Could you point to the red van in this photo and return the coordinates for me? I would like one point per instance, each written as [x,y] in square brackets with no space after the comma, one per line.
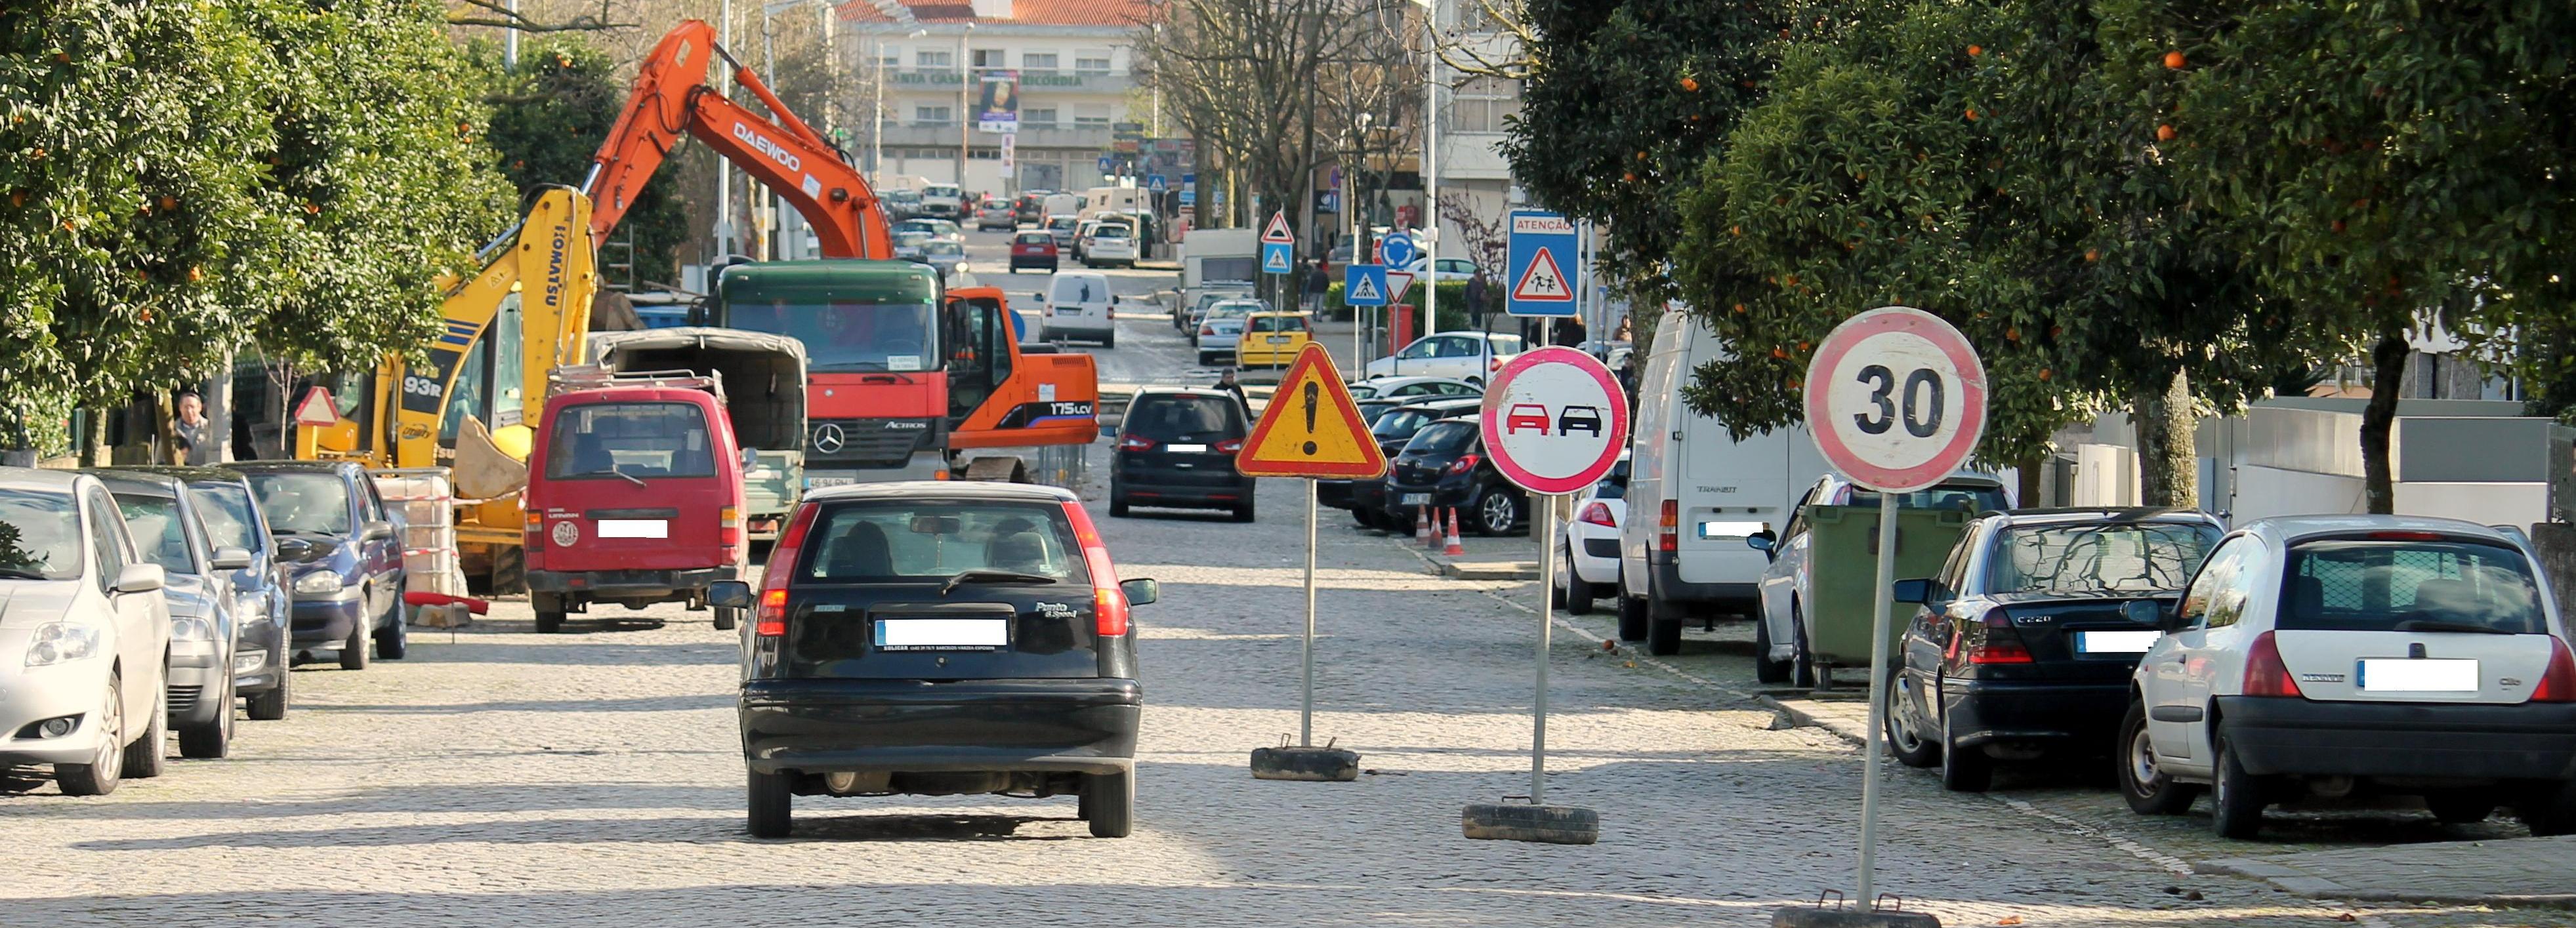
[634,497]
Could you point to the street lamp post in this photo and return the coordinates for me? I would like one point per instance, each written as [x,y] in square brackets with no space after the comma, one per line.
[965,84]
[1430,167]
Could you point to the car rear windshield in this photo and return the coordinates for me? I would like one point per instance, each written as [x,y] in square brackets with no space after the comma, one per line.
[2134,557]
[1074,288]
[604,441]
[1034,238]
[158,533]
[309,503]
[1449,437]
[896,541]
[2402,586]
[1965,497]
[39,536]
[1279,324]
[1174,418]
[225,509]
[1402,423]
[1109,232]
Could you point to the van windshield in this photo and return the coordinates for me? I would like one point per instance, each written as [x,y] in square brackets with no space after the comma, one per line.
[1079,289]
[609,441]
[2402,586]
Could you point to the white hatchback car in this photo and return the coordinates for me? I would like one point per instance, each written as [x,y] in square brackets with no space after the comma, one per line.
[2330,656]
[1587,557]
[84,638]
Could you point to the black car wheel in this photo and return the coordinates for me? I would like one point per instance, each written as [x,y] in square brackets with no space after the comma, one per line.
[1109,803]
[1496,512]
[147,754]
[213,738]
[1802,665]
[2548,810]
[353,652]
[1904,725]
[2146,787]
[395,639]
[1632,616]
[1963,770]
[270,706]
[1243,511]
[2236,798]
[1766,670]
[1578,593]
[106,767]
[772,800]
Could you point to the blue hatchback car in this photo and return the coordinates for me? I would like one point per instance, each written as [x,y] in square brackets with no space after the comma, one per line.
[341,554]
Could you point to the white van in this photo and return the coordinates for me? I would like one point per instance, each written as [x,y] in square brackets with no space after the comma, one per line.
[1695,493]
[1077,306]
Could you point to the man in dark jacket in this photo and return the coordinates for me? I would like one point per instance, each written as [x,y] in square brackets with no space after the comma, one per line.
[1476,301]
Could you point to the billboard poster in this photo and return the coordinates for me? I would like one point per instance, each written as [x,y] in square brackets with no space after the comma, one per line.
[1000,109]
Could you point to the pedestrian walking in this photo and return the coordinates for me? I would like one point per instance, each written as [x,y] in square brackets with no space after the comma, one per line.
[1569,332]
[1227,382]
[1476,300]
[1316,281]
[198,446]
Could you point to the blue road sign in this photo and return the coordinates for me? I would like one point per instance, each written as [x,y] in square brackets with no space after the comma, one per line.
[1189,198]
[1156,183]
[1189,179]
[1276,258]
[1398,249]
[1104,164]
[1364,284]
[1542,248]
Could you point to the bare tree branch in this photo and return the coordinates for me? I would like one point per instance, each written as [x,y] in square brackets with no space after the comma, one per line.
[497,14]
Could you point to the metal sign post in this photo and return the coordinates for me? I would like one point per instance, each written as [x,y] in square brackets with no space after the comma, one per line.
[1306,704]
[1546,631]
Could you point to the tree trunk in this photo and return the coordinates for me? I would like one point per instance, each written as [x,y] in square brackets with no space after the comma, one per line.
[2379,419]
[2026,494]
[2168,458]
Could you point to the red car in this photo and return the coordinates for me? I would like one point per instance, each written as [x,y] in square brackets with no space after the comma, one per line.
[1525,416]
[1033,249]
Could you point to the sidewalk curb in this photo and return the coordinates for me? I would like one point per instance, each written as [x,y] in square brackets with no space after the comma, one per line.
[2294,880]
[1803,718]
[1483,570]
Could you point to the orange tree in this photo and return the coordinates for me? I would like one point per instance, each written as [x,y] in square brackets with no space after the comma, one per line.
[1972,160]
[1622,103]
[2378,163]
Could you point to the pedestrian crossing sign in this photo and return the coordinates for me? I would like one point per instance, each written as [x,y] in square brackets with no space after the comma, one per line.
[1275,258]
[1364,284]
[1311,428]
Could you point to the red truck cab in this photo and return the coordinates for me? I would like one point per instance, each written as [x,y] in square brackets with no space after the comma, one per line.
[635,497]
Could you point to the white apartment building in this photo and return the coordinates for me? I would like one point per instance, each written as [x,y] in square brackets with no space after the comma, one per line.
[1076,78]
[1471,163]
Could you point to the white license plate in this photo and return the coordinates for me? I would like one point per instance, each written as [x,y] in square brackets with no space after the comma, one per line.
[2401,675]
[942,634]
[815,482]
[634,528]
[1278,339]
[2115,642]
[1415,499]
[1187,449]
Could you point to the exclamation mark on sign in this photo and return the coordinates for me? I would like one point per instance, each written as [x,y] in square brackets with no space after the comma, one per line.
[1314,391]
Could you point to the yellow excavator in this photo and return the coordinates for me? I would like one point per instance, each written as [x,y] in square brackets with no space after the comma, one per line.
[474,404]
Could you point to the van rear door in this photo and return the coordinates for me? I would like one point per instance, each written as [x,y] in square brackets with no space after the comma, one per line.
[635,480]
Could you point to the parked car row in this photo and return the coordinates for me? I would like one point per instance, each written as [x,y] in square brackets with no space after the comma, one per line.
[146,600]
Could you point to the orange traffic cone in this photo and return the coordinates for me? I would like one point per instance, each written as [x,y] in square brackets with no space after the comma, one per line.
[1452,546]
[1422,526]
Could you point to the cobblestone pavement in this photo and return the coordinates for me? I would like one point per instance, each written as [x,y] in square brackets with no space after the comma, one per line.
[594,778]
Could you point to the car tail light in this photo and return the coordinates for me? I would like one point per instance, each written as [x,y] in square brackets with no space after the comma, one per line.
[1207,330]
[729,526]
[2558,683]
[1229,446]
[771,622]
[1108,603]
[1598,513]
[1135,443]
[1464,463]
[1668,527]
[2265,674]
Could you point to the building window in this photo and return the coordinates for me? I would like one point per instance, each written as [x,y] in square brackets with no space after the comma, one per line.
[1037,61]
[1040,116]
[889,57]
[1091,114]
[934,58]
[1483,104]
[990,58]
[1473,18]
[1091,61]
[931,115]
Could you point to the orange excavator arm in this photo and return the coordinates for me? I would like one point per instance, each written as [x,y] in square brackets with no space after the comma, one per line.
[672,97]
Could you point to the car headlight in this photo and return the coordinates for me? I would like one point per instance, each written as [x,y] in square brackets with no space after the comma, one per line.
[247,661]
[320,581]
[58,642]
[190,628]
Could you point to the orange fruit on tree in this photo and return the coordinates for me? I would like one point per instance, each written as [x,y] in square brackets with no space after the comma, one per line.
[1974,51]
[2174,60]
[2165,133]
[2092,254]
[1972,114]
[1690,84]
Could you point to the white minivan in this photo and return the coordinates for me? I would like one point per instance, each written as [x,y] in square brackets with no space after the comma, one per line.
[1695,493]
[1077,306]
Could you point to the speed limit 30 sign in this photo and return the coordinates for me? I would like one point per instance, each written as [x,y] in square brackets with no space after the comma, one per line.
[1896,399]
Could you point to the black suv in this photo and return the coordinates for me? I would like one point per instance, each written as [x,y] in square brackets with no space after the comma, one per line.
[1445,467]
[1176,447]
[938,638]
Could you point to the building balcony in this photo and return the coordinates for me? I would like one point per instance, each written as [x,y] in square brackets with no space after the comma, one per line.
[1031,82]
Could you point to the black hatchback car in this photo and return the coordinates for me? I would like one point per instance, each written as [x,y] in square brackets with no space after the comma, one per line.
[2026,640]
[1445,467]
[1366,499]
[1176,448]
[342,554]
[940,638]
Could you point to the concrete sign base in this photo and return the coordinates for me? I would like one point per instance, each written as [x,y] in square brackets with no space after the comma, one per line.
[1323,765]
[1542,824]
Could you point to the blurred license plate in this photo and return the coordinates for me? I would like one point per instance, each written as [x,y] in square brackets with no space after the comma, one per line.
[634,528]
[813,482]
[2114,642]
[1188,449]
[1415,499]
[1278,339]
[942,634]
[2400,675]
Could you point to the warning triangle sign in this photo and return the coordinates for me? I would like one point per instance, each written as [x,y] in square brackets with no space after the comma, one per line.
[1542,282]
[1311,429]
[1276,261]
[316,408]
[1366,290]
[1277,231]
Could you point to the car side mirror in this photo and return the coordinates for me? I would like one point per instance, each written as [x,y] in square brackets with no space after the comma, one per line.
[231,558]
[377,530]
[1141,592]
[1764,541]
[139,578]
[729,594]
[1917,590]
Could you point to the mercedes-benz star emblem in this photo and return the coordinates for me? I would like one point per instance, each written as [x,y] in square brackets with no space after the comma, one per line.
[828,438]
